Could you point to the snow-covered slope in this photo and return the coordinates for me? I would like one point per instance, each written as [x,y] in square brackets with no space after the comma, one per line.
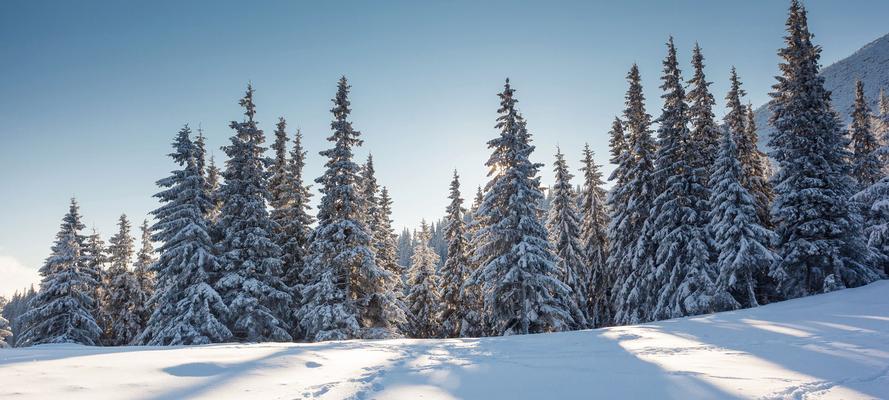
[828,346]
[870,64]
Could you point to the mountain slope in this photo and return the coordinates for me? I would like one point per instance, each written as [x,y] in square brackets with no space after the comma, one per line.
[870,64]
[834,345]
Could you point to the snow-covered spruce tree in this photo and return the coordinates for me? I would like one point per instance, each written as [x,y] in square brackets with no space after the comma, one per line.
[517,273]
[95,263]
[867,167]
[704,132]
[62,310]
[122,296]
[424,299]
[386,248]
[742,242]
[5,330]
[673,253]
[630,203]
[473,323]
[187,309]
[290,199]
[594,241]
[259,303]
[377,212]
[740,123]
[757,169]
[821,246]
[145,276]
[368,192]
[456,267]
[346,295]
[300,227]
[875,199]
[564,228]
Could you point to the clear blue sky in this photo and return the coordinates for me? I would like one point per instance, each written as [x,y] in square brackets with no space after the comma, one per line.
[91,93]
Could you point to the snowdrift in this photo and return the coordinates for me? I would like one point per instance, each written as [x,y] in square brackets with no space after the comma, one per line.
[828,346]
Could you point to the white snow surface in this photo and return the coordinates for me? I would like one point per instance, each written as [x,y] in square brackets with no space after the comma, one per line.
[831,346]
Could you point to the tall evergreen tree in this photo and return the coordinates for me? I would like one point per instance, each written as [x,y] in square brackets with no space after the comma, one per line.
[517,276]
[594,241]
[742,242]
[456,268]
[5,330]
[866,164]
[61,312]
[187,308]
[145,276]
[673,253]
[821,247]
[345,295]
[95,264]
[757,170]
[424,299]
[473,323]
[564,234]
[704,132]
[386,248]
[368,191]
[290,199]
[251,286]
[630,203]
[123,295]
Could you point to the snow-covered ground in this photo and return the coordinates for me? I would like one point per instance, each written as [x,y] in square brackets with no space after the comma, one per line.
[828,346]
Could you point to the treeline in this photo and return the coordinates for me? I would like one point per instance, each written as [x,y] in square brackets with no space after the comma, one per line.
[698,220]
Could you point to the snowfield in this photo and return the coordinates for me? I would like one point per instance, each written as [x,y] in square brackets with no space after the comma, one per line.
[829,346]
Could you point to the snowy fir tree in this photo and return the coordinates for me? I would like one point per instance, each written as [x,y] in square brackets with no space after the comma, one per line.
[757,169]
[5,329]
[122,297]
[378,212]
[423,299]
[368,192]
[346,294]
[742,243]
[867,167]
[704,132]
[739,122]
[517,274]
[630,202]
[564,227]
[673,254]
[594,241]
[95,264]
[385,248]
[145,276]
[259,303]
[290,200]
[187,308]
[62,311]
[18,305]
[875,199]
[821,246]
[473,323]
[456,267]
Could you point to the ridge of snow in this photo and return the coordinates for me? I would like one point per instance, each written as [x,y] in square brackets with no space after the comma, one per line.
[834,345]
